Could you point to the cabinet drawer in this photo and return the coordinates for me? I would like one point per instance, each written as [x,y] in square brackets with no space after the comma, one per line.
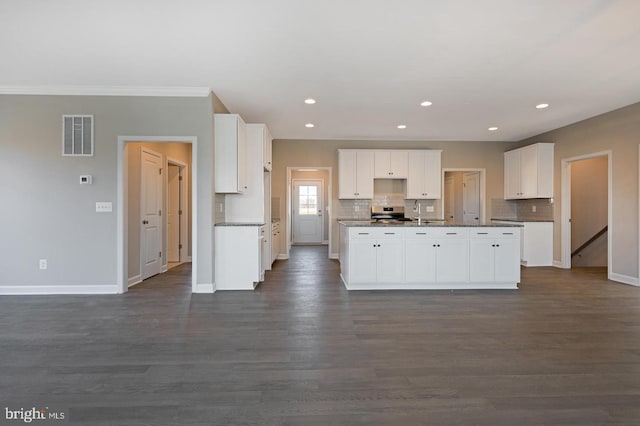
[450,232]
[390,232]
[417,233]
[511,232]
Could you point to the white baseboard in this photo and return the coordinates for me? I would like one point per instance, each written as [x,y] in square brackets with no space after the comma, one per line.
[134,280]
[57,289]
[624,279]
[283,257]
[558,264]
[334,256]
[203,288]
[165,268]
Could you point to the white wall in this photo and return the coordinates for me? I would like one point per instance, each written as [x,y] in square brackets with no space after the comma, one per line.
[52,216]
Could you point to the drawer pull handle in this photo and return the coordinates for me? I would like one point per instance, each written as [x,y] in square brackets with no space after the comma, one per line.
[363,233]
[483,233]
[452,233]
[507,233]
[421,233]
[389,233]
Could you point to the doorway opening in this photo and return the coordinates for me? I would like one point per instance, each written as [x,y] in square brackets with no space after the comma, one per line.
[157,222]
[308,213]
[464,195]
[586,211]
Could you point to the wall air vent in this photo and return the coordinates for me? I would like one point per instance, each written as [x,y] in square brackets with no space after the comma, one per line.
[77,135]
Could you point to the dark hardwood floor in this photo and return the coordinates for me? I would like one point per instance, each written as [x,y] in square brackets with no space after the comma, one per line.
[301,350]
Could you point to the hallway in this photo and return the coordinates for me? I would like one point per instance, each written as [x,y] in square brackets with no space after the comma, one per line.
[565,348]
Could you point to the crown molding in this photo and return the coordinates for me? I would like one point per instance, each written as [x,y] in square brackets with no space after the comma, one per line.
[191,92]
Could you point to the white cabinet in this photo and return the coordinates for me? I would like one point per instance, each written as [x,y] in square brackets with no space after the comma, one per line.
[238,257]
[267,149]
[528,172]
[429,257]
[425,175]
[536,242]
[391,164]
[355,174]
[251,205]
[375,255]
[275,241]
[494,255]
[229,142]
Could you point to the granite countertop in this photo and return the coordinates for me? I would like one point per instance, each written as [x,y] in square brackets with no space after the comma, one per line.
[522,220]
[435,224]
[238,224]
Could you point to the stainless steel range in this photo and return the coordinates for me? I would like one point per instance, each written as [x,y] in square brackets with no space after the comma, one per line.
[388,214]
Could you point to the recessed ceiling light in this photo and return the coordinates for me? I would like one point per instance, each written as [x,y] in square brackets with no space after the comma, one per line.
[309,125]
[542,106]
[310,101]
[493,129]
[402,126]
[426,103]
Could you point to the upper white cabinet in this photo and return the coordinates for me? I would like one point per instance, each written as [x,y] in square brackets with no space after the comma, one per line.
[425,175]
[229,141]
[267,149]
[252,205]
[355,174]
[391,164]
[528,172]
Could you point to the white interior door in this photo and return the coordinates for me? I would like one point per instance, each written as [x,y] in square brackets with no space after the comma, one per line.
[471,198]
[307,211]
[449,199]
[173,213]
[150,212]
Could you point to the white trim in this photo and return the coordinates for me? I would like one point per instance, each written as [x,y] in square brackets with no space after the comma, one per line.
[624,279]
[57,289]
[191,92]
[328,208]
[121,206]
[483,189]
[558,264]
[134,280]
[565,208]
[204,288]
[334,256]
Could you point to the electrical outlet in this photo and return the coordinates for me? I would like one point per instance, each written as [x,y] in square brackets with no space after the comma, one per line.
[430,209]
[43,263]
[533,209]
[220,207]
[104,207]
[356,208]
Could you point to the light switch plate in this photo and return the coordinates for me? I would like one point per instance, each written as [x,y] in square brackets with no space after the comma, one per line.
[104,207]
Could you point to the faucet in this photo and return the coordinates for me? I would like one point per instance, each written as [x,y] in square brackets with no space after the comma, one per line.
[416,203]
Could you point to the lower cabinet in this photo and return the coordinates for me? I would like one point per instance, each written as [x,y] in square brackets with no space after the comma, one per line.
[376,256]
[494,255]
[429,257]
[238,257]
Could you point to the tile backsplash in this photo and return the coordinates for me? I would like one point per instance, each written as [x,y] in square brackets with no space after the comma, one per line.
[361,209]
[522,209]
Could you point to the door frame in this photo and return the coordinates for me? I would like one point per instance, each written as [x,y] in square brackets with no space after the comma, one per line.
[184,206]
[483,188]
[321,181]
[161,221]
[328,207]
[122,224]
[565,209]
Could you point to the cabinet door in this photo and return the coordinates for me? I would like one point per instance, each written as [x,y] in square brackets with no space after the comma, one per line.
[242,154]
[347,174]
[382,160]
[399,164]
[364,174]
[267,149]
[507,260]
[389,261]
[420,261]
[529,172]
[362,260]
[512,175]
[481,260]
[452,260]
[432,175]
[416,175]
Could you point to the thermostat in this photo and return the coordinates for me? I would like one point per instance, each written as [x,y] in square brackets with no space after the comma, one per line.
[85,180]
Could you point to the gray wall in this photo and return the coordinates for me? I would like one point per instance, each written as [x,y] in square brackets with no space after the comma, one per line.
[52,216]
[618,131]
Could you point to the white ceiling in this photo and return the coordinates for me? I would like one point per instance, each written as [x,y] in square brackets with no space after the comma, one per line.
[369,63]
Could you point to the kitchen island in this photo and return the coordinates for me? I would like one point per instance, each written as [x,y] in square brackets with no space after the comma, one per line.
[429,256]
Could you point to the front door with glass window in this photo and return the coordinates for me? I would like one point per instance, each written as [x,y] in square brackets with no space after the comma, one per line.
[307,211]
